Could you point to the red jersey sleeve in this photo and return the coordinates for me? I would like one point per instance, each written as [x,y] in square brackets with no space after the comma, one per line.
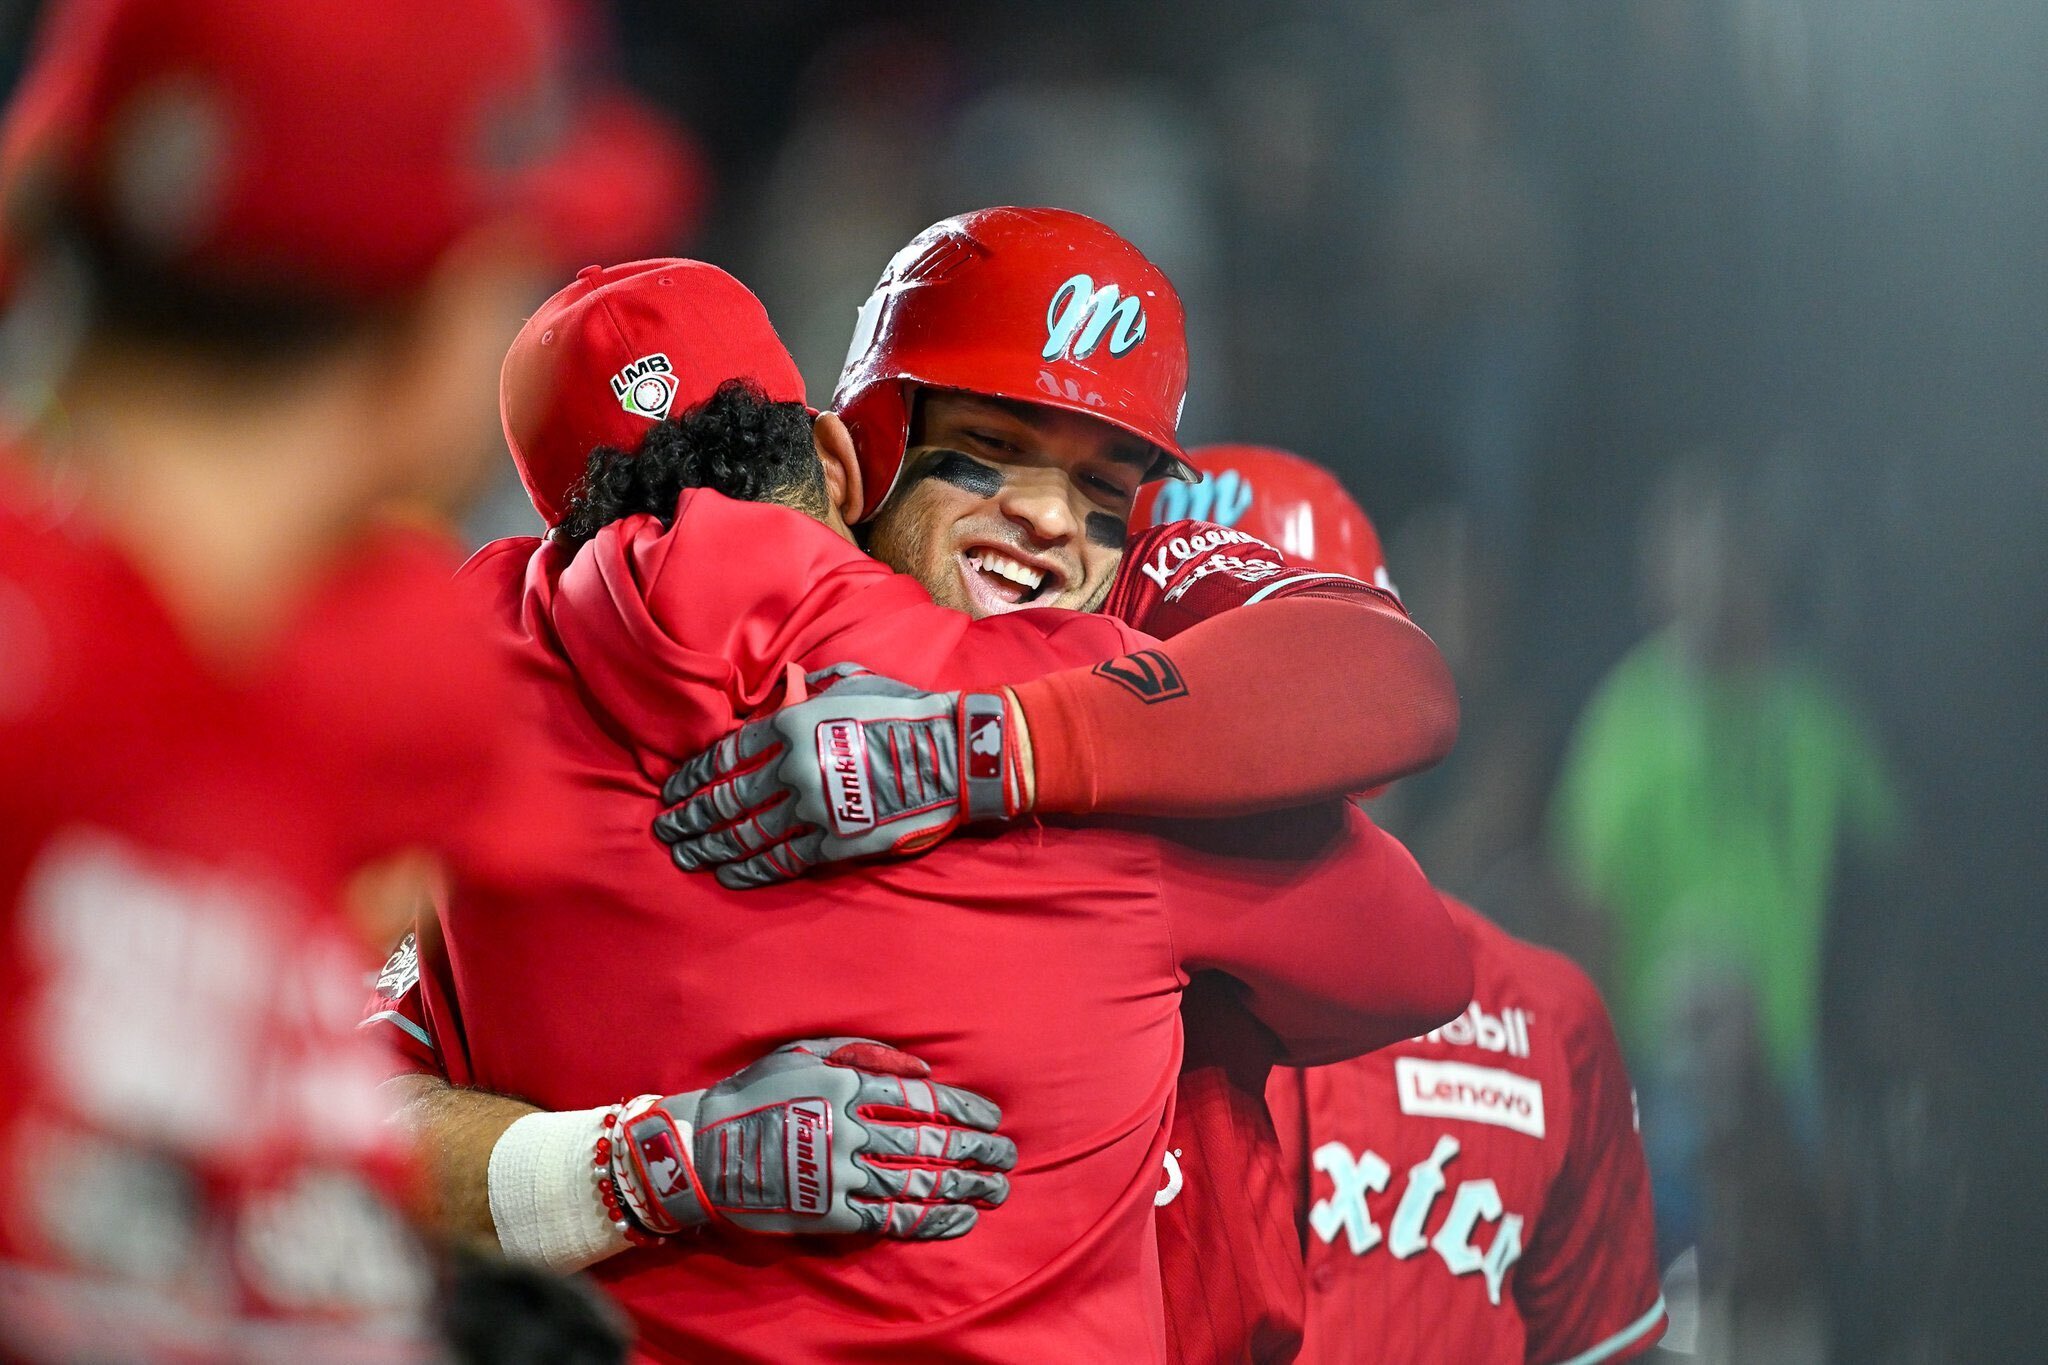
[1333,933]
[1588,1287]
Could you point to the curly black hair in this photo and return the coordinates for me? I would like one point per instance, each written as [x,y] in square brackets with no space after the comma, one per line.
[737,443]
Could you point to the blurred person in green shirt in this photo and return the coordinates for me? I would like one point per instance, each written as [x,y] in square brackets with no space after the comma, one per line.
[1713,788]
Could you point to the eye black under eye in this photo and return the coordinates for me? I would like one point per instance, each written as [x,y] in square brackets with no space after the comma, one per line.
[1106,530]
[965,473]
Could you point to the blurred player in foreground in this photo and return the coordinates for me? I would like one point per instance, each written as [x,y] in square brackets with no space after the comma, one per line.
[273,250]
[1479,1193]
[1080,1037]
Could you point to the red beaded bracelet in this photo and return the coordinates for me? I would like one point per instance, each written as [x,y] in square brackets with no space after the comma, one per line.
[608,1185]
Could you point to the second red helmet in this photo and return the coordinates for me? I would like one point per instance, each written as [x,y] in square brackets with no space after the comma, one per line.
[1037,305]
[1283,499]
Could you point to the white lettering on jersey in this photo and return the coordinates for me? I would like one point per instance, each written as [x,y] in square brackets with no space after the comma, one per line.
[1170,1191]
[1170,558]
[1351,1178]
[1476,1094]
[1425,1183]
[1475,1202]
[1506,1032]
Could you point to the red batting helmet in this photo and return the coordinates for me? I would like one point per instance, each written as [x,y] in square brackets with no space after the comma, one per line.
[1037,305]
[1279,497]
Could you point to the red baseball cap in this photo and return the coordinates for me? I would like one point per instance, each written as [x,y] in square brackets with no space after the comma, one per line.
[621,348]
[628,182]
[335,146]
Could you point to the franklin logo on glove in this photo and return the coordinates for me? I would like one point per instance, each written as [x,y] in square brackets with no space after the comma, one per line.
[844,756]
[810,1183]
[868,767]
[830,1135]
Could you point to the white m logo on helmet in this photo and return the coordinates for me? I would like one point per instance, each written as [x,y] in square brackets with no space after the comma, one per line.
[1080,314]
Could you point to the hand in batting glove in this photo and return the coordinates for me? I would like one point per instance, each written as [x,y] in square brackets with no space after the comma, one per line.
[1181,574]
[866,768]
[832,1135]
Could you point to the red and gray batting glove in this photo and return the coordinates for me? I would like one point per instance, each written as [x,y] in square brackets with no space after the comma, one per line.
[1184,572]
[868,768]
[831,1135]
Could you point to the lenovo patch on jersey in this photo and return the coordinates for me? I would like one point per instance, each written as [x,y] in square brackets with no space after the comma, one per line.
[1477,1094]
[809,1138]
[843,754]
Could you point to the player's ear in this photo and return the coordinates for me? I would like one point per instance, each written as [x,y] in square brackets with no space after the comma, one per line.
[842,468]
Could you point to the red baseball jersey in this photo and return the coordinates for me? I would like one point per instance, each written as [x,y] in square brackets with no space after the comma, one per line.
[1041,964]
[1478,1195]
[1229,1255]
[193,1162]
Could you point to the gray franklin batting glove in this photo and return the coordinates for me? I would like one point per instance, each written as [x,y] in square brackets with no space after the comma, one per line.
[831,1135]
[869,767]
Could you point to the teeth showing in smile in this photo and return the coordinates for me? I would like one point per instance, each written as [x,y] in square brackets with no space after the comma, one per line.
[1002,566]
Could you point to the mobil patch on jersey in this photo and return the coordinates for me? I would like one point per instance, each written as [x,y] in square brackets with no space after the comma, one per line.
[1477,1094]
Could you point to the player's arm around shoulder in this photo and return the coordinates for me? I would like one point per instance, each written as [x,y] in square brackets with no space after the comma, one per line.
[1347,650]
[564,1190]
[1338,939]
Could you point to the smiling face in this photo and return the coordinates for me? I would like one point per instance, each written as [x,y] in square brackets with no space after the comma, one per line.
[1007,505]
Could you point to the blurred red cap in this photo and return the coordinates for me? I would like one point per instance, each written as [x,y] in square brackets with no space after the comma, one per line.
[621,348]
[1283,499]
[337,146]
[628,183]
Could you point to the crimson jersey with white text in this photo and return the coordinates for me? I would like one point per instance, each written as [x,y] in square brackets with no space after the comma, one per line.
[1041,964]
[193,1162]
[1478,1195]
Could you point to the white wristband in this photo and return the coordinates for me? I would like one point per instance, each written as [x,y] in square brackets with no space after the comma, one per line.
[544,1197]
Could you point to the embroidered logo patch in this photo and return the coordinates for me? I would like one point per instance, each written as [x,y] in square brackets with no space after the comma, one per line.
[810,1147]
[843,754]
[646,387]
[985,746]
[1148,675]
[1477,1094]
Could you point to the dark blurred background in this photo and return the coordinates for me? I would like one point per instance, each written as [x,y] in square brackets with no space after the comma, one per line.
[1691,354]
